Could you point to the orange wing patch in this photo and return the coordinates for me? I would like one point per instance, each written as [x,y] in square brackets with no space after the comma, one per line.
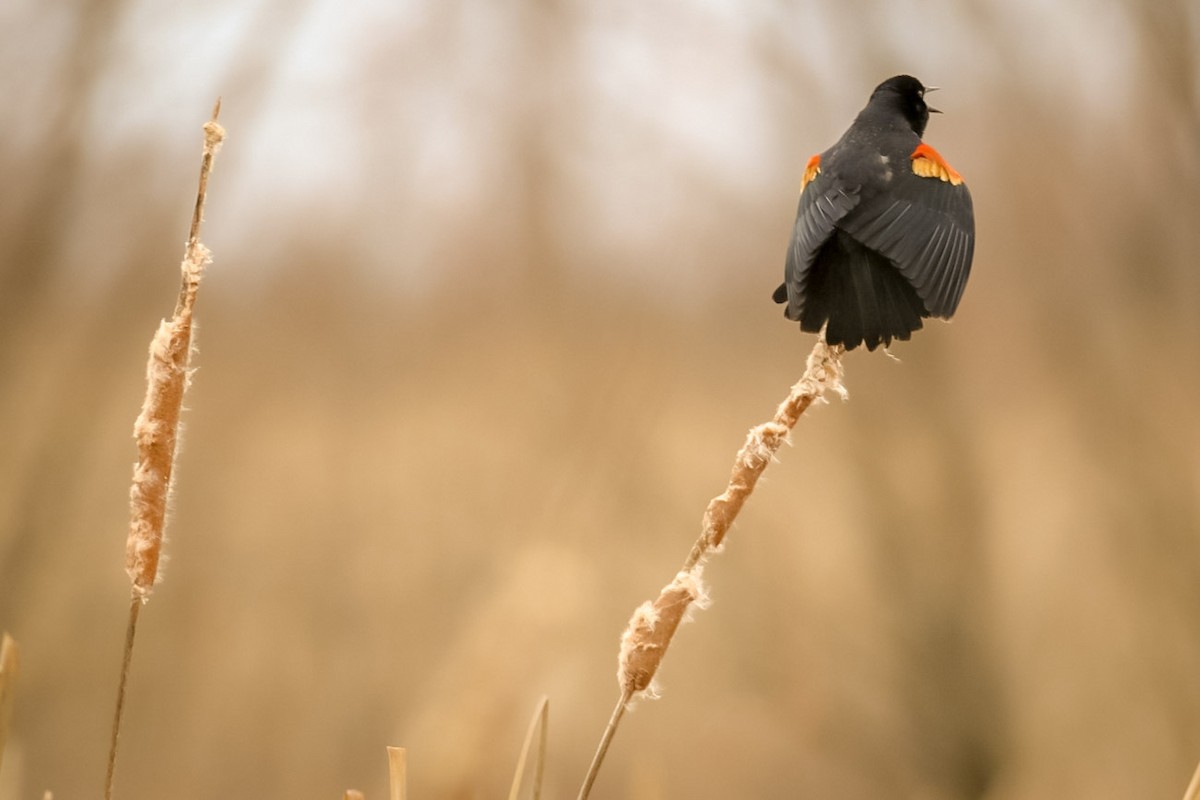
[928,163]
[812,170]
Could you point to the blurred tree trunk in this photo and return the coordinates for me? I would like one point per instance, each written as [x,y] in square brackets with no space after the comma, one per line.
[38,227]
[543,107]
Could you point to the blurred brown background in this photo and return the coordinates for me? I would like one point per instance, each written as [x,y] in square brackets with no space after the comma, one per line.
[488,319]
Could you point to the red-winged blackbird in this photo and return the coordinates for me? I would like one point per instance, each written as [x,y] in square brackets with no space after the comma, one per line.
[885,231]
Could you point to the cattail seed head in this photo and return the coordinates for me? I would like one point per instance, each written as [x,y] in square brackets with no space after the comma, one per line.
[157,427]
[646,638]
[156,432]
[214,134]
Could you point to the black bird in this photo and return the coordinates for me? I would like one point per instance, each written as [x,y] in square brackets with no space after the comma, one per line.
[885,231]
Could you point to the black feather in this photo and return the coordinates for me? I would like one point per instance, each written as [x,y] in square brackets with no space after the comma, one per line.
[861,295]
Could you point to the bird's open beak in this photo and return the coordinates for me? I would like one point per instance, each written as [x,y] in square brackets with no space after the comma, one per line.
[929,89]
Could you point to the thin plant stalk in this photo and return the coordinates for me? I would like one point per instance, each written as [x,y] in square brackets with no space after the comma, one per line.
[538,726]
[135,606]
[653,625]
[156,432]
[1193,790]
[610,730]
[10,662]
[398,772]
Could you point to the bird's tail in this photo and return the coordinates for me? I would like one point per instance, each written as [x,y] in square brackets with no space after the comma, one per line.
[861,295]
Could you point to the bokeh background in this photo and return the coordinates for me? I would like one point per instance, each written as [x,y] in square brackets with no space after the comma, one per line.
[489,316]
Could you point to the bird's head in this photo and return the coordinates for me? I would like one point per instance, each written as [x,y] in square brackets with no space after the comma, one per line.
[905,95]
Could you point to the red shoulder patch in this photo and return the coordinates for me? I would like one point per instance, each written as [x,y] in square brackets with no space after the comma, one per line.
[811,171]
[928,163]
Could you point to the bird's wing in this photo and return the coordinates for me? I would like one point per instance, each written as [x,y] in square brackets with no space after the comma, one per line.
[925,225]
[825,200]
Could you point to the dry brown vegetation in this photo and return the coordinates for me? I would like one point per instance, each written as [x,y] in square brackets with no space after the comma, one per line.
[450,427]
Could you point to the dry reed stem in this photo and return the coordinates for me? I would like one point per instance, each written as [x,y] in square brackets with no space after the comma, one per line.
[10,665]
[649,632]
[398,772]
[606,738]
[538,726]
[156,431]
[135,607]
[1193,790]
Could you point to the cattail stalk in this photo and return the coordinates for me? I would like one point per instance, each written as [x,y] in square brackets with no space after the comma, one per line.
[156,431]
[650,630]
